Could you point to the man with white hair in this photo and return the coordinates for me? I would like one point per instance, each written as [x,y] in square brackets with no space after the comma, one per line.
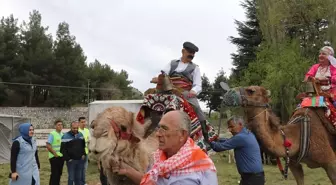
[178,160]
[246,150]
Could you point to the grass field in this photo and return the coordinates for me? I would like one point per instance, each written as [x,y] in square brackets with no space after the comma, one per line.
[227,173]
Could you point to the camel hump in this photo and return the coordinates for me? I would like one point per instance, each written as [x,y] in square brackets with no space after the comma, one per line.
[319,113]
[322,106]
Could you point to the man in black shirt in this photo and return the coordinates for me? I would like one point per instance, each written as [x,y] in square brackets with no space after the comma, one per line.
[73,150]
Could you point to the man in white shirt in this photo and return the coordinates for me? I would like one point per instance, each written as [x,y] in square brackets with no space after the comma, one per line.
[190,80]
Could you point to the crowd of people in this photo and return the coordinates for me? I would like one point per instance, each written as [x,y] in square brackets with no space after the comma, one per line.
[178,160]
[70,148]
[177,156]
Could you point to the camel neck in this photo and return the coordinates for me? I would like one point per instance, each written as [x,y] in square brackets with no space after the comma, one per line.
[268,135]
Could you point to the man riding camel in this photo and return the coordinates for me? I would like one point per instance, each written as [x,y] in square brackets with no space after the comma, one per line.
[190,80]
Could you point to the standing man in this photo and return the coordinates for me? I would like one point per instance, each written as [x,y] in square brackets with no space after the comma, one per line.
[189,79]
[246,150]
[73,150]
[86,134]
[55,155]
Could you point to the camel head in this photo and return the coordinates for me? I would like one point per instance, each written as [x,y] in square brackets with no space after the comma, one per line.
[113,133]
[251,96]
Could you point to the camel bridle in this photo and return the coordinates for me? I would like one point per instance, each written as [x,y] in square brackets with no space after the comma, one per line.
[248,103]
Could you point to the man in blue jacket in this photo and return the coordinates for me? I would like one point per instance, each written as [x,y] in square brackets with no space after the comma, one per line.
[73,150]
[246,150]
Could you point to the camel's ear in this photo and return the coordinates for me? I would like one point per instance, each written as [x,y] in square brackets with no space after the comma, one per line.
[137,129]
[93,124]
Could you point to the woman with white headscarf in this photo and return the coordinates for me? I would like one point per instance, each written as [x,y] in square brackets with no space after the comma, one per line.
[325,71]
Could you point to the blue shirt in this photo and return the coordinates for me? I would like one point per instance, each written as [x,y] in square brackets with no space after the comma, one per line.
[246,150]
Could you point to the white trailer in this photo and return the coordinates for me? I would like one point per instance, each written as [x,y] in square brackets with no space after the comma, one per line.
[97,107]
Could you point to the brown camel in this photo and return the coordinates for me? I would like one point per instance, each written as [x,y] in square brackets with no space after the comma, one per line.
[267,128]
[116,136]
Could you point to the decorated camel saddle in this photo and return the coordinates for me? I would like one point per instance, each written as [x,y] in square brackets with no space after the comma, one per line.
[321,101]
[167,97]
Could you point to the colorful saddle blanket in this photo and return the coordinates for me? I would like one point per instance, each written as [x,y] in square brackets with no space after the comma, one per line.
[316,101]
[320,101]
[162,102]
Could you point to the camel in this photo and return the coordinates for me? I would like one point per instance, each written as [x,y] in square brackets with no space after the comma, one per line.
[275,137]
[117,137]
[135,149]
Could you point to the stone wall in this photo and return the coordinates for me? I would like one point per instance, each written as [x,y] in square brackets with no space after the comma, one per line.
[44,117]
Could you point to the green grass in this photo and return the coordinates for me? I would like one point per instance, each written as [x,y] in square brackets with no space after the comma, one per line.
[227,173]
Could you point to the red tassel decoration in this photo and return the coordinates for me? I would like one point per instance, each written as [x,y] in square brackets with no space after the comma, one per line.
[287,143]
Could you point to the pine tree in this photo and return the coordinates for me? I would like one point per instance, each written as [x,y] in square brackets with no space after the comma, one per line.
[37,53]
[206,93]
[249,39]
[10,62]
[69,69]
[215,100]
[29,55]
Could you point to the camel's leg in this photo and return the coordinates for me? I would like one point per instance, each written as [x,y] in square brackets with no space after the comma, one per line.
[331,171]
[297,172]
[268,159]
[263,158]
[229,156]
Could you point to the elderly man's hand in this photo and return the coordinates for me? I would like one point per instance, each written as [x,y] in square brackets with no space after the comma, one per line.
[124,169]
[115,165]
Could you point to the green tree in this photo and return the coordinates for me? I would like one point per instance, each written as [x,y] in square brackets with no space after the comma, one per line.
[293,32]
[284,63]
[114,85]
[249,39]
[29,55]
[136,94]
[4,69]
[205,95]
[310,22]
[10,61]
[122,82]
[217,90]
[36,45]
[99,74]
[69,69]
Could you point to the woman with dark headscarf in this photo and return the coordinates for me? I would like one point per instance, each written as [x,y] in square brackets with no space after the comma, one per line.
[24,160]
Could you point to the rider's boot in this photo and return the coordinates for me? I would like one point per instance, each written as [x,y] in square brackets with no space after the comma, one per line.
[205,135]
